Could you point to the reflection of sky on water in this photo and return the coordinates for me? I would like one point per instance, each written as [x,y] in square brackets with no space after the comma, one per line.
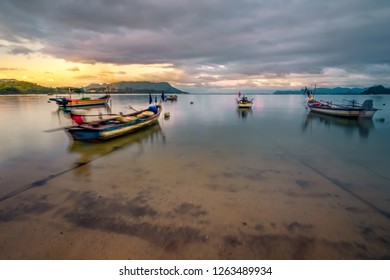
[275,123]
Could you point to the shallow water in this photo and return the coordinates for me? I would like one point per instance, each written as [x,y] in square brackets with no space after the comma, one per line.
[210,182]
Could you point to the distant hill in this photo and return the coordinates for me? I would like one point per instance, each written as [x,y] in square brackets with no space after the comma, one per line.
[130,87]
[377,90]
[12,86]
[337,90]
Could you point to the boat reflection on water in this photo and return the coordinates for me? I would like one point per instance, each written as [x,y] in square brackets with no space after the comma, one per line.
[362,125]
[90,151]
[244,112]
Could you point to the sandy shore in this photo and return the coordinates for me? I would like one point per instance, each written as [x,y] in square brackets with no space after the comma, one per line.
[191,206]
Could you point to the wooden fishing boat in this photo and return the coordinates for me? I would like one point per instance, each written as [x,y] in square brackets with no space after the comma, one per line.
[69,102]
[172,97]
[244,102]
[351,110]
[113,127]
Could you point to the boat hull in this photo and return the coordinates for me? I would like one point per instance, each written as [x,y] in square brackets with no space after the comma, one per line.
[86,104]
[342,112]
[244,105]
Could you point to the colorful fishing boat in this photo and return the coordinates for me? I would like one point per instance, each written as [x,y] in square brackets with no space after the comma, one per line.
[69,102]
[243,101]
[351,110]
[114,126]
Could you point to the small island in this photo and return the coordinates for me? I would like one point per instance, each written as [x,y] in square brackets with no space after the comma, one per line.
[377,90]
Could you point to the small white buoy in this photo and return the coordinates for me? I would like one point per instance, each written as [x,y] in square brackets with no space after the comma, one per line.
[167,115]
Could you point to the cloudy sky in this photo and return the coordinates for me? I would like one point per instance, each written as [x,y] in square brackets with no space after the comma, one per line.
[198,45]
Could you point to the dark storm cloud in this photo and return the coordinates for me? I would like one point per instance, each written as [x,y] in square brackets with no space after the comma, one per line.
[248,38]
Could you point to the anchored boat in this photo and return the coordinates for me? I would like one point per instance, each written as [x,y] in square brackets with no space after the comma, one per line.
[112,127]
[243,101]
[68,102]
[351,110]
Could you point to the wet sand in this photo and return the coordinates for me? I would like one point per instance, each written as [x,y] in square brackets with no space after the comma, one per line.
[146,202]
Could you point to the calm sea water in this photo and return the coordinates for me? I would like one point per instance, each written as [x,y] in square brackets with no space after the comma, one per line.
[210,182]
